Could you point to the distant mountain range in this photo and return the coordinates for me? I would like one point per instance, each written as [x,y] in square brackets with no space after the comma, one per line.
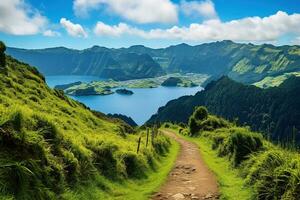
[246,63]
[274,111]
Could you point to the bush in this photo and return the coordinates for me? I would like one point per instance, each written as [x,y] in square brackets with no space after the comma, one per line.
[275,174]
[200,113]
[193,126]
[135,166]
[240,144]
[104,159]
[213,123]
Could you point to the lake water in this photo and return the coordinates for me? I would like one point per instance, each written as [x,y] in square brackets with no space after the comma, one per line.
[140,106]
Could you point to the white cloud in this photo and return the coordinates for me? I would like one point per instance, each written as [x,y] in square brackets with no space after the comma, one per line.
[140,11]
[18,18]
[117,30]
[246,29]
[50,33]
[205,9]
[74,30]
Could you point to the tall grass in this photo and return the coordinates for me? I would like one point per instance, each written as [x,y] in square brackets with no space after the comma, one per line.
[50,144]
[272,171]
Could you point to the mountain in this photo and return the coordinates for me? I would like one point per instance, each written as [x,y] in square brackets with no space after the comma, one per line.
[96,61]
[247,63]
[53,147]
[275,111]
[124,118]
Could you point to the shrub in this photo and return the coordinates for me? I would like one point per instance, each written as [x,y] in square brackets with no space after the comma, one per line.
[240,144]
[212,123]
[193,126]
[161,145]
[200,113]
[275,174]
[104,159]
[135,165]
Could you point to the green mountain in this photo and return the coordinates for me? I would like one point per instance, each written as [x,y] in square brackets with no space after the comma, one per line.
[245,63]
[96,61]
[275,111]
[52,147]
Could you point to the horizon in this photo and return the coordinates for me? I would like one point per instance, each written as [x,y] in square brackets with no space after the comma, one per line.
[77,24]
[126,47]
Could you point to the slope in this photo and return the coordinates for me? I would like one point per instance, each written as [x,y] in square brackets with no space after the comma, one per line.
[275,111]
[52,147]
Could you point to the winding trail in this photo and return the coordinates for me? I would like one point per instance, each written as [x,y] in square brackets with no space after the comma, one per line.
[190,178]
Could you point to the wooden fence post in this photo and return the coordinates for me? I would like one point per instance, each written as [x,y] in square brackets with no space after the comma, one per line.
[147,137]
[139,143]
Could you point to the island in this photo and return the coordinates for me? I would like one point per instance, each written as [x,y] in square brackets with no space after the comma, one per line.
[172,82]
[105,87]
[124,92]
[90,91]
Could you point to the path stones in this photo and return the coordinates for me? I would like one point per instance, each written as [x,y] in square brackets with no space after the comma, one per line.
[178,196]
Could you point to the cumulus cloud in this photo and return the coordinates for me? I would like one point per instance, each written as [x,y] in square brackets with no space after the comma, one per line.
[268,28]
[140,11]
[117,30]
[205,9]
[50,33]
[74,30]
[18,18]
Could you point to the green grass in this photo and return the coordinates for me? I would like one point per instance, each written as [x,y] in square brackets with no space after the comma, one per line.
[275,81]
[52,147]
[130,189]
[231,184]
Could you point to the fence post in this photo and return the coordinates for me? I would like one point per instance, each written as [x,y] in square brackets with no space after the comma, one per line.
[152,136]
[147,137]
[139,143]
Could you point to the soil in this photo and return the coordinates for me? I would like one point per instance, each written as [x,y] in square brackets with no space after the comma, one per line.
[190,178]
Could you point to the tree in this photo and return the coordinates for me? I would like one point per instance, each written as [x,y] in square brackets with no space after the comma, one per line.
[200,113]
[2,55]
[193,126]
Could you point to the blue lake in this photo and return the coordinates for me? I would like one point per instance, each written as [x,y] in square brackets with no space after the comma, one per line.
[140,106]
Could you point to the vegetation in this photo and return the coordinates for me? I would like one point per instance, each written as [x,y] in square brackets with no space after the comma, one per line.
[105,87]
[172,82]
[246,63]
[53,147]
[247,165]
[124,91]
[2,55]
[273,111]
[274,81]
[125,118]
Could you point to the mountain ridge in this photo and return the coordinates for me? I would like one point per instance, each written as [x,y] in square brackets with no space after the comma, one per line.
[247,63]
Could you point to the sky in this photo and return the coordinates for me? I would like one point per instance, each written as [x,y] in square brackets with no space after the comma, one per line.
[80,24]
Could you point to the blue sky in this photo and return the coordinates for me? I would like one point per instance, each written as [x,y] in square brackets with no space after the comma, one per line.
[155,23]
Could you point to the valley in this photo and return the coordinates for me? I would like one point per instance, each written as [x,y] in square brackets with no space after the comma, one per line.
[149,100]
[65,143]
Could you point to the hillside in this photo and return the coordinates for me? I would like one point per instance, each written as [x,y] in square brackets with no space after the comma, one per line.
[96,61]
[274,111]
[247,165]
[53,147]
[245,63]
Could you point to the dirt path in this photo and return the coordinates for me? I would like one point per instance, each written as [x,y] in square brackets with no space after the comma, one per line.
[190,177]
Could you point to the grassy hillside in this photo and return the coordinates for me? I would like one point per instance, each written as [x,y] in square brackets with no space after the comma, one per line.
[247,63]
[274,111]
[274,81]
[52,147]
[247,166]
